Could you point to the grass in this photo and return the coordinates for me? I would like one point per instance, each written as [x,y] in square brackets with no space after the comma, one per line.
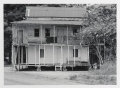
[108,68]
[105,76]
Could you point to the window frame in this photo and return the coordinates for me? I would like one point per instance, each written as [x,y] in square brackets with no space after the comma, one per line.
[42,53]
[46,32]
[38,32]
[76,52]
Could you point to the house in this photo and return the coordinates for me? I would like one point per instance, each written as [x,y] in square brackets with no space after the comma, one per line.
[50,36]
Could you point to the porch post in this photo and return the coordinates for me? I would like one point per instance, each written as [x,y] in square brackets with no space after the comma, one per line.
[54,33]
[88,56]
[19,59]
[61,55]
[39,54]
[22,54]
[67,35]
[26,54]
[13,59]
[80,35]
[44,54]
[41,33]
[68,54]
[53,54]
[80,52]
[35,54]
[74,55]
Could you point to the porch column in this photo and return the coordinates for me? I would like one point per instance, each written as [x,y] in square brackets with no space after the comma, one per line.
[80,35]
[67,35]
[88,56]
[13,56]
[19,56]
[39,54]
[54,33]
[26,56]
[74,55]
[68,54]
[80,52]
[35,54]
[22,54]
[41,33]
[44,54]
[53,54]
[61,55]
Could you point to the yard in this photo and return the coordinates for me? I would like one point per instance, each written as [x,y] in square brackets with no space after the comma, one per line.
[55,78]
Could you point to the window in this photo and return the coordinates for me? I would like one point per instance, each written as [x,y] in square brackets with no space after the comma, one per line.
[76,52]
[36,32]
[75,31]
[47,32]
[41,53]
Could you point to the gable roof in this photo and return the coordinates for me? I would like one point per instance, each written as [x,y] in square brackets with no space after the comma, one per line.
[71,12]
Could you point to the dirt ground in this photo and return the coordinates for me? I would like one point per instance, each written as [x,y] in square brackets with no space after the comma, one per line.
[39,77]
[12,77]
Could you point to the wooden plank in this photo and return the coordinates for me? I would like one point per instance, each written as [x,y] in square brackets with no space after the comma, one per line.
[54,33]
[88,56]
[44,54]
[80,35]
[67,35]
[22,54]
[19,56]
[74,55]
[68,54]
[35,55]
[26,55]
[53,54]
[39,54]
[61,55]
[80,52]
[13,56]
[41,33]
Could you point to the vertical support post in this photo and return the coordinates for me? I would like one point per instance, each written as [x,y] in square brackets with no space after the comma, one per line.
[19,58]
[12,56]
[61,55]
[54,33]
[67,35]
[53,54]
[62,35]
[41,33]
[35,54]
[88,56]
[26,56]
[80,52]
[80,35]
[68,54]
[39,54]
[22,54]
[44,54]
[74,55]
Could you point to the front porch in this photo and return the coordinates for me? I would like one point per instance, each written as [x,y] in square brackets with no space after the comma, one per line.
[51,55]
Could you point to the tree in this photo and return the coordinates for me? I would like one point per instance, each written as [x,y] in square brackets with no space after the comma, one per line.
[101,25]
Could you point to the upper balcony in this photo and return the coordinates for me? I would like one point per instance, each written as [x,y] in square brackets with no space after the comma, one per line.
[48,34]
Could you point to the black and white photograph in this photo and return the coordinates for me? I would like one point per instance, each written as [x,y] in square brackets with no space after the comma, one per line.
[60,44]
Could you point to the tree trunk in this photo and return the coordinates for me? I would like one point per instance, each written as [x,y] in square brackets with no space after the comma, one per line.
[99,55]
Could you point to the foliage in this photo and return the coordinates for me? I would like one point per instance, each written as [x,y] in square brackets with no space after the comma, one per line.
[101,29]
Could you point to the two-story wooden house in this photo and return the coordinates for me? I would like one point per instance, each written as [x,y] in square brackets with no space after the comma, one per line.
[49,37]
